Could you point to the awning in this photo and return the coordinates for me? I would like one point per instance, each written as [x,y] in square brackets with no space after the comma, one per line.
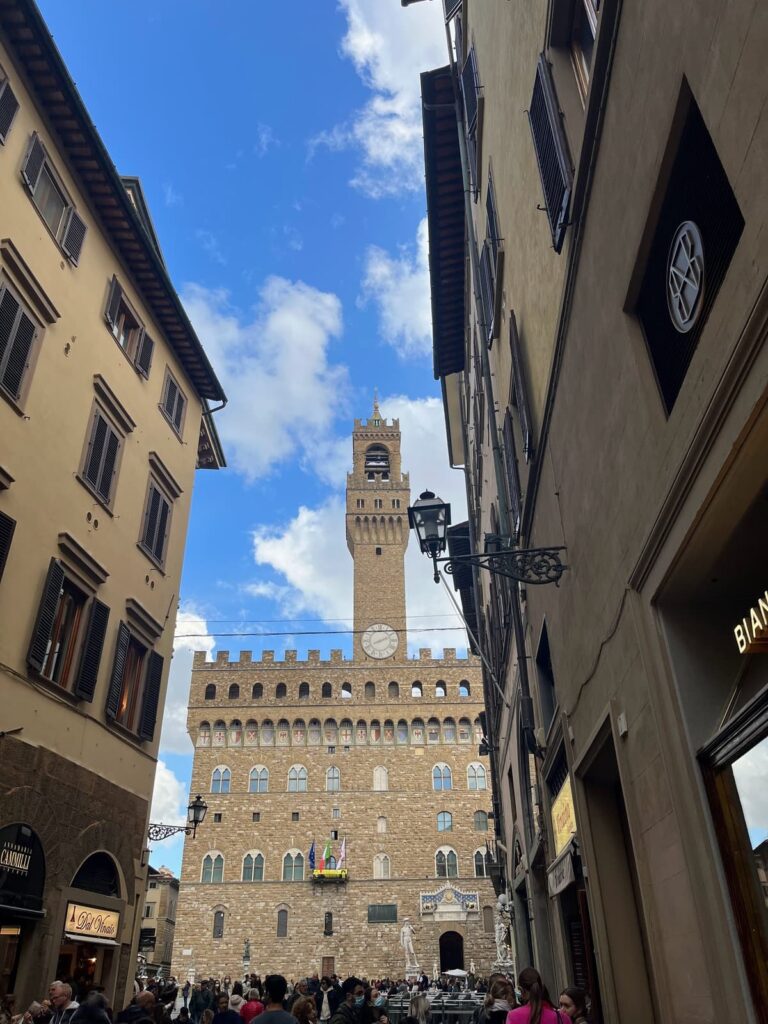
[8,908]
[89,940]
[561,872]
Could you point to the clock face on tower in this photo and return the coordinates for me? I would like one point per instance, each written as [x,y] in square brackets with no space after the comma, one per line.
[380,641]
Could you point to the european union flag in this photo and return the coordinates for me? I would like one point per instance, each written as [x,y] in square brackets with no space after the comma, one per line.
[311,857]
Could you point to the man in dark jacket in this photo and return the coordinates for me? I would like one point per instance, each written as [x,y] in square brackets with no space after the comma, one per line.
[142,1006]
[349,1010]
[327,999]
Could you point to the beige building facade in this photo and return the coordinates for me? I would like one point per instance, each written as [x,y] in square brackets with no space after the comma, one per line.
[104,417]
[376,756]
[158,923]
[604,375]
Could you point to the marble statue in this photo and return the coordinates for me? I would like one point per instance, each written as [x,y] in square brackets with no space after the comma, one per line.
[503,921]
[406,941]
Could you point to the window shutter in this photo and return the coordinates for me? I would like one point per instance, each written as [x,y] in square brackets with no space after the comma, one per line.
[72,243]
[469,90]
[17,358]
[93,645]
[144,352]
[46,613]
[510,464]
[110,465]
[8,107]
[118,669]
[9,308]
[451,8]
[486,286]
[151,696]
[30,172]
[150,518]
[520,384]
[7,526]
[551,151]
[113,303]
[171,391]
[96,447]
[162,529]
[179,410]
[492,220]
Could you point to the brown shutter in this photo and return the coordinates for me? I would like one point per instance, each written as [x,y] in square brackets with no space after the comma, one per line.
[520,385]
[150,518]
[9,308]
[7,526]
[118,669]
[113,303]
[8,107]
[551,151]
[96,446]
[513,476]
[30,172]
[451,8]
[178,414]
[144,352]
[469,90]
[151,699]
[486,286]
[162,529]
[17,358]
[72,243]
[108,470]
[46,613]
[93,646]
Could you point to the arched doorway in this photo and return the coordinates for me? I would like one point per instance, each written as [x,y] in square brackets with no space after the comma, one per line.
[451,951]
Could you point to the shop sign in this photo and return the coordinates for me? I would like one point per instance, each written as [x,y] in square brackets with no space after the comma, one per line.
[92,922]
[561,873]
[22,869]
[563,817]
[753,628]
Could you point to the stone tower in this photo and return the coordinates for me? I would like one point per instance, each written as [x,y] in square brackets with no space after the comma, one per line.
[378,493]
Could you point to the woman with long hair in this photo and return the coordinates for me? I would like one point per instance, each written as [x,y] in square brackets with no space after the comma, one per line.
[419,1008]
[537,1006]
[573,1003]
[305,1010]
[499,1001]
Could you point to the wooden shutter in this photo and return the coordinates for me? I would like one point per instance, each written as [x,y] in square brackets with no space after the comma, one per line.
[93,645]
[8,107]
[46,614]
[178,413]
[112,311]
[17,353]
[30,172]
[144,351]
[151,699]
[469,90]
[96,444]
[9,309]
[109,468]
[72,242]
[150,518]
[7,526]
[171,391]
[520,385]
[163,523]
[551,151]
[487,289]
[118,670]
[451,8]
[513,477]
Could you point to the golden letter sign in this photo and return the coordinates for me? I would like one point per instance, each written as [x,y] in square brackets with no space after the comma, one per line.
[92,922]
[563,816]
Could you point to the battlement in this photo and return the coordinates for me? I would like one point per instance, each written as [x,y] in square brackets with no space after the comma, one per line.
[291,658]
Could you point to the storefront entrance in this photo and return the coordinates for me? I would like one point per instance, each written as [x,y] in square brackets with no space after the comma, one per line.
[92,920]
[451,951]
[22,879]
[87,963]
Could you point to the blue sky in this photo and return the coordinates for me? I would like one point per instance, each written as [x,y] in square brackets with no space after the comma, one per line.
[279,147]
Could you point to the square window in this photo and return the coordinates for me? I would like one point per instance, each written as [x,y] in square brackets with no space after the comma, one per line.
[294,815]
[336,812]
[217,818]
[331,750]
[256,816]
[334,834]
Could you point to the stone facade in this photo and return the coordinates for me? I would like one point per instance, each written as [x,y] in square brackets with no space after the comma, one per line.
[386,725]
[158,922]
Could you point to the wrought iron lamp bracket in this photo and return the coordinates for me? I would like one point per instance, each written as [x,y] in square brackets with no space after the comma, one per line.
[156,833]
[532,566]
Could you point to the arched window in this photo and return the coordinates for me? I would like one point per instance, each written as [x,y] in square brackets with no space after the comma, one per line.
[298,732]
[445,821]
[326,691]
[235,732]
[218,924]
[345,732]
[417,690]
[346,691]
[234,692]
[433,730]
[280,691]
[330,731]
[465,730]
[481,821]
[210,691]
[204,735]
[219,733]
[440,688]
[293,866]
[381,824]
[393,690]
[221,779]
[380,779]
[376,459]
[389,731]
[464,690]
[332,780]
[283,733]
[297,779]
[478,725]
[449,730]
[257,692]
[441,777]
[381,866]
[253,867]
[361,733]
[482,863]
[370,691]
[267,733]
[251,733]
[258,779]
[314,732]
[475,776]
[402,731]
[446,863]
[417,730]
[375,733]
[213,867]
[488,920]
[331,864]
[282,923]
[303,691]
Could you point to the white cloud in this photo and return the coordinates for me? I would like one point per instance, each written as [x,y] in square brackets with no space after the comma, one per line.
[265,140]
[210,244]
[389,48]
[174,738]
[169,807]
[399,286]
[171,196]
[310,552]
[284,393]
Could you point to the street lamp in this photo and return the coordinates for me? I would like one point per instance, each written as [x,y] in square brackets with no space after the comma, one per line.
[195,816]
[430,517]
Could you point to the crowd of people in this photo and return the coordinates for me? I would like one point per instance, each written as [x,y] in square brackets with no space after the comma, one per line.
[310,1000]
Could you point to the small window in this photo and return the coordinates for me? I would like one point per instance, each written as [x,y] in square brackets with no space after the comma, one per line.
[376,460]
[445,821]
[174,403]
[361,503]
[346,691]
[297,779]
[382,913]
[51,199]
[449,731]
[446,863]
[256,817]
[303,691]
[253,867]
[441,777]
[127,330]
[332,780]
[210,691]
[134,690]
[204,735]
[157,523]
[295,815]
[393,690]
[280,691]
[464,688]
[257,692]
[213,868]
[326,692]
[218,924]
[220,780]
[7,529]
[488,925]
[417,690]
[481,821]
[381,866]
[440,688]
[546,679]
[336,812]
[282,924]
[18,333]
[8,106]
[381,824]
[217,818]
[102,457]
[334,834]
[258,780]
[235,733]
[234,692]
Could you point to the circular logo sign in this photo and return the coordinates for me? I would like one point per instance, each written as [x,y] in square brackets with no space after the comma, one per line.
[685,276]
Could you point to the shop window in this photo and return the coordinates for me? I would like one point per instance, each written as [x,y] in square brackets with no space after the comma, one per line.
[297,779]
[441,777]
[381,866]
[253,867]
[134,690]
[446,863]
[218,924]
[282,923]
[52,200]
[444,821]
[257,692]
[210,691]
[127,330]
[293,866]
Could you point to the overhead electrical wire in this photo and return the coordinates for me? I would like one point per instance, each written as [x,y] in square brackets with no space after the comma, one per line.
[310,632]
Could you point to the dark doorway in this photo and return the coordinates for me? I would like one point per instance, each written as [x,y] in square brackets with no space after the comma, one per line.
[451,951]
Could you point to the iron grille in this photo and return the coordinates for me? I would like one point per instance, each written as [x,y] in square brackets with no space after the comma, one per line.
[551,151]
[451,8]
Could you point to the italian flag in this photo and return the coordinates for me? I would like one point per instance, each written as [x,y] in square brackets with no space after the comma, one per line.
[325,856]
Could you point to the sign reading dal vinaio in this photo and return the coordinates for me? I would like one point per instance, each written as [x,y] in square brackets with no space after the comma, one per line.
[563,816]
[92,922]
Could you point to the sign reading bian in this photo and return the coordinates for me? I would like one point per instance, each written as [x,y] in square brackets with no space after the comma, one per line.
[92,922]
[753,628]
[563,816]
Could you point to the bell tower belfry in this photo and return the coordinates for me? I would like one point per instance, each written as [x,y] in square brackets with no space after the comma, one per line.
[378,493]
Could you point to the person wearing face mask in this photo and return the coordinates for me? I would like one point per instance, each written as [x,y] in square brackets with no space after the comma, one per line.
[350,1008]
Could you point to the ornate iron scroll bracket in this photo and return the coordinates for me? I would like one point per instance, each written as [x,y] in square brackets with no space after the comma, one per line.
[156,833]
[532,566]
